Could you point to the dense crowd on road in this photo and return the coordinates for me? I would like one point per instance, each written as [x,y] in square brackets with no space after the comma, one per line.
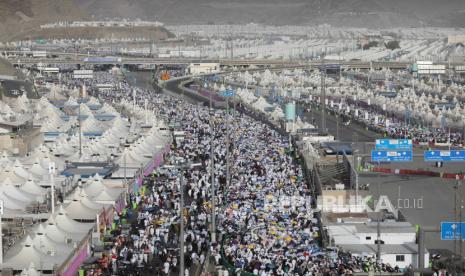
[266,224]
[396,127]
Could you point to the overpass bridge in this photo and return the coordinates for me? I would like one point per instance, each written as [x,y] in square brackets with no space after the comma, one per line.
[241,63]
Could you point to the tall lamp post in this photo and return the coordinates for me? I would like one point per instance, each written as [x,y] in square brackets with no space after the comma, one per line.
[212,168]
[51,171]
[183,166]
[227,93]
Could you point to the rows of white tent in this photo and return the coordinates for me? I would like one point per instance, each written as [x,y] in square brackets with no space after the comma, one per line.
[431,101]
[252,29]
[26,181]
[294,42]
[48,244]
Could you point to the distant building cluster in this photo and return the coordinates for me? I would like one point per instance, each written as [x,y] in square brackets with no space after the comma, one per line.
[112,23]
[456,39]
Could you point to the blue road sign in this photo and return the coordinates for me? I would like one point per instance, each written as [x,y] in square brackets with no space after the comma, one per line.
[227,93]
[394,144]
[452,230]
[444,155]
[391,156]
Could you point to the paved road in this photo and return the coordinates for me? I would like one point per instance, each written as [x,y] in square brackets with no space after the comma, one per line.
[346,133]
[422,200]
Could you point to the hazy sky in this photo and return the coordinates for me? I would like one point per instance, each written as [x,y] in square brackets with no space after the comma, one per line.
[336,12]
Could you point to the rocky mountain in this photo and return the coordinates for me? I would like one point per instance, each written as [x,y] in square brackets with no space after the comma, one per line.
[357,13]
[18,17]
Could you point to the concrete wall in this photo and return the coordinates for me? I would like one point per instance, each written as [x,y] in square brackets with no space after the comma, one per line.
[454,39]
[409,259]
[203,68]
[388,238]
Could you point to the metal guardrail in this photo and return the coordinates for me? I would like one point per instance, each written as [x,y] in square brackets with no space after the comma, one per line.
[222,62]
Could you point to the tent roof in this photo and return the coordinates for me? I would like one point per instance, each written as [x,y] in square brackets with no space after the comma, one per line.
[77,210]
[70,225]
[25,254]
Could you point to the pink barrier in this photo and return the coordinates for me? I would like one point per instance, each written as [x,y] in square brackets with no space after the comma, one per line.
[155,163]
[383,170]
[157,160]
[420,172]
[120,204]
[73,267]
[453,176]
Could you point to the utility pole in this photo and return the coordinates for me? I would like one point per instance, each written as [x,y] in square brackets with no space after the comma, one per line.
[459,188]
[80,132]
[181,237]
[182,167]
[1,235]
[455,219]
[323,96]
[212,152]
[227,142]
[378,223]
[51,171]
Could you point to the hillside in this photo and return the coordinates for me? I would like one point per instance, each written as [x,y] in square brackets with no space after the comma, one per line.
[356,13]
[21,18]
[6,68]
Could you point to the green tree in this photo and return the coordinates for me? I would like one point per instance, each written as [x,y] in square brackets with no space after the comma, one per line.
[392,45]
[370,44]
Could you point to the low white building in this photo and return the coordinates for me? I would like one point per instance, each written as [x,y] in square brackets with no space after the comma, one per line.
[402,255]
[366,233]
[398,241]
[203,68]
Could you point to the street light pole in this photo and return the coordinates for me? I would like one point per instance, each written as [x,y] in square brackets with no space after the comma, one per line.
[182,167]
[213,196]
[51,170]
[227,142]
[323,97]
[1,235]
[181,238]
[459,188]
[80,132]
[378,223]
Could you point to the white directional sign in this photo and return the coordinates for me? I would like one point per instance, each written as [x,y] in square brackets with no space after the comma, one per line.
[51,168]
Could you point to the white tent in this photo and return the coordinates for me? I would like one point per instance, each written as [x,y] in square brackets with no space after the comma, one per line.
[31,271]
[11,204]
[4,160]
[37,170]
[94,186]
[59,235]
[26,253]
[108,195]
[50,247]
[19,170]
[7,188]
[31,187]
[79,211]
[8,173]
[70,225]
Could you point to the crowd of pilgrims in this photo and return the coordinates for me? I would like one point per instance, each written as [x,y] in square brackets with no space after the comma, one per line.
[265,221]
[398,127]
